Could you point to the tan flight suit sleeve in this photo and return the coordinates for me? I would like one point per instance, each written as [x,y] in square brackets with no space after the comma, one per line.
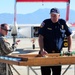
[5,47]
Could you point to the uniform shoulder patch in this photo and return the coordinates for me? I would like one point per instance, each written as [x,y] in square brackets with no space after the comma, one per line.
[42,25]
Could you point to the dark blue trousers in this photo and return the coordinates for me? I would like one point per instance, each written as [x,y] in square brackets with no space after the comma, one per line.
[46,70]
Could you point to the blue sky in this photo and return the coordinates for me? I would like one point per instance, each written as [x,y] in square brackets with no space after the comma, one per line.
[7,6]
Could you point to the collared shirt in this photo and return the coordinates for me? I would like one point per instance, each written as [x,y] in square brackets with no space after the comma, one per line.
[54,34]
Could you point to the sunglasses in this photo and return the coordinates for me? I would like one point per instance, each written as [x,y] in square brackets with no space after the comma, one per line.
[5,29]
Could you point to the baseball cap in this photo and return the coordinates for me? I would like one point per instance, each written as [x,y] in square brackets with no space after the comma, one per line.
[54,11]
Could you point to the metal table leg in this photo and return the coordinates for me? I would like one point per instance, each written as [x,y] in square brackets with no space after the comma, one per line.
[28,68]
[7,69]
[33,70]
[66,69]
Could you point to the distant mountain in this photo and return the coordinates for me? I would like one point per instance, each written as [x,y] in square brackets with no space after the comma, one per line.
[35,17]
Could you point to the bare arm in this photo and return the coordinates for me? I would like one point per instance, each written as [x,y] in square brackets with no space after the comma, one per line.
[69,43]
[41,45]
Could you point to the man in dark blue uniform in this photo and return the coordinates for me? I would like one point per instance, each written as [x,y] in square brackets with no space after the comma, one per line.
[51,36]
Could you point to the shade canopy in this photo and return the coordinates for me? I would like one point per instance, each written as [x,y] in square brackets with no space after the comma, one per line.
[68,4]
[42,0]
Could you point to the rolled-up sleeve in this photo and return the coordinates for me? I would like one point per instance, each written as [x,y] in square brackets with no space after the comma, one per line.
[68,30]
